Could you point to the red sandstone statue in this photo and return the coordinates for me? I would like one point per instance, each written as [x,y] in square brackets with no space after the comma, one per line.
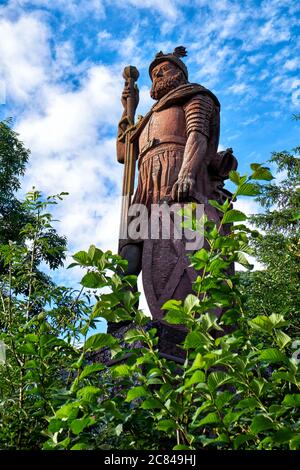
[175,146]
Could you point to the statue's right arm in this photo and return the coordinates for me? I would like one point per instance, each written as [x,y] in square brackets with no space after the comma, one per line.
[122,126]
[124,121]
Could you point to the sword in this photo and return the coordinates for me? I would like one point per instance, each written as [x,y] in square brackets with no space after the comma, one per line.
[130,75]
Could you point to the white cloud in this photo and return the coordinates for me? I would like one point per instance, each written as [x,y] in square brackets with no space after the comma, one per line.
[2,92]
[68,120]
[250,120]
[75,8]
[239,88]
[247,205]
[104,35]
[292,64]
[296,98]
[24,57]
[166,7]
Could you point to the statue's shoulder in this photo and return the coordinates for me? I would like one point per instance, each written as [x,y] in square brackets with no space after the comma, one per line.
[183,94]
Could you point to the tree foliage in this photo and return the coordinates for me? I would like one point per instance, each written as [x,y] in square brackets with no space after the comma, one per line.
[64,385]
[275,289]
[16,216]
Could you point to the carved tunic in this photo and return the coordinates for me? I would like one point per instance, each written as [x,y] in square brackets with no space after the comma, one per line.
[162,144]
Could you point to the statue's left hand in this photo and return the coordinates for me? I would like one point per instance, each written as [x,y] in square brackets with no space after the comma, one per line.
[183,188]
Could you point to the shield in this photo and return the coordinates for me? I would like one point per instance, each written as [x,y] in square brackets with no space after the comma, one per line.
[166,271]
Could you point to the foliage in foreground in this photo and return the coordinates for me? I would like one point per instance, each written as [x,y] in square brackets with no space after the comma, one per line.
[236,391]
[40,322]
[238,387]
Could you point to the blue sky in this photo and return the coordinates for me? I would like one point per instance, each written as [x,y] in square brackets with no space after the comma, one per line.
[61,64]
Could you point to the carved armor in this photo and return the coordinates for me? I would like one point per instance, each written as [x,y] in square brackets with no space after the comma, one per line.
[162,144]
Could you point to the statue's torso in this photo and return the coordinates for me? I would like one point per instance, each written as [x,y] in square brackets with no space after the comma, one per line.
[166,126]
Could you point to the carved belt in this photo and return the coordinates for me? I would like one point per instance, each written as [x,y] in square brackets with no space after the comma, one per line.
[170,139]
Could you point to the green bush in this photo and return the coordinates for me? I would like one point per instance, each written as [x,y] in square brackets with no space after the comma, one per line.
[237,391]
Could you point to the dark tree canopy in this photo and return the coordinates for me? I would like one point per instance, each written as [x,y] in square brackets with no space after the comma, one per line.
[275,289]
[14,215]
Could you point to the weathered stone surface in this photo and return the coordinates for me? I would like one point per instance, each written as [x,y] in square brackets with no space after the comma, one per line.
[176,147]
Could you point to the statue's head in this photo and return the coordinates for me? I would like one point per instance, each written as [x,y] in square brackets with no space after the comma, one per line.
[167,72]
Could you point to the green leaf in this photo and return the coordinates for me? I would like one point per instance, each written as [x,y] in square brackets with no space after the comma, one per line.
[216,379]
[261,323]
[68,411]
[154,380]
[197,377]
[261,423]
[261,173]
[198,363]
[242,260]
[233,215]
[136,392]
[200,259]
[88,393]
[105,309]
[80,446]
[78,425]
[95,255]
[65,443]
[119,429]
[234,176]
[182,447]
[292,400]
[277,320]
[151,404]
[133,335]
[211,418]
[82,258]
[32,338]
[285,435]
[172,305]
[32,364]
[276,411]
[190,303]
[98,341]
[216,205]
[241,439]
[282,339]
[176,317]
[28,348]
[248,189]
[120,371]
[295,443]
[249,403]
[259,386]
[255,166]
[232,417]
[223,398]
[193,340]
[272,355]
[229,283]
[166,425]
[93,280]
[201,255]
[286,376]
[91,369]
[55,425]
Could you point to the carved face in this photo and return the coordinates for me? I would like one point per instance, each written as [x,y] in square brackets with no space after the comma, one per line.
[165,77]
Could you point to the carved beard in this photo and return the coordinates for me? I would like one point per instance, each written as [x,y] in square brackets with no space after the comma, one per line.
[161,86]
